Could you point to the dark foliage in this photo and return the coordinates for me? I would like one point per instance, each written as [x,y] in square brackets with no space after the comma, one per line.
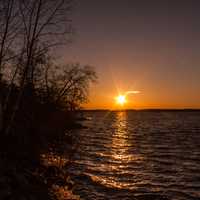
[37,97]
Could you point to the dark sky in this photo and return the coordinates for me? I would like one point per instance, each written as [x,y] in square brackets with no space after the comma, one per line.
[151,46]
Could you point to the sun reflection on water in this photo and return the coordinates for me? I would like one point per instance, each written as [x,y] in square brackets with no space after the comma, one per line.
[121,141]
[120,156]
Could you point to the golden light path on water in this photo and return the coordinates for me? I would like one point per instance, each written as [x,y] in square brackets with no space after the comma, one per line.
[119,154]
[133,155]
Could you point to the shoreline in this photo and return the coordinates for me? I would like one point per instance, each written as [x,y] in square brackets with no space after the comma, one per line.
[23,172]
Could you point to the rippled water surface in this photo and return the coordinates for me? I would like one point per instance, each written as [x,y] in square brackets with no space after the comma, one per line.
[139,155]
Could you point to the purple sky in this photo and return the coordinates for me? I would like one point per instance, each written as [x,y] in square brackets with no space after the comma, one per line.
[141,45]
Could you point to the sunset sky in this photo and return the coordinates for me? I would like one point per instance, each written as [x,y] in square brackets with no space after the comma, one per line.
[150,46]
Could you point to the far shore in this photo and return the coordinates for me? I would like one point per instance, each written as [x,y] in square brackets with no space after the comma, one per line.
[146,110]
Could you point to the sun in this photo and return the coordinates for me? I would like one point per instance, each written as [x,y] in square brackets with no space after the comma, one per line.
[121,99]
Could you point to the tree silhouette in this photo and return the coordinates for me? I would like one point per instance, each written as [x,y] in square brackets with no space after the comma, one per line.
[70,86]
[31,29]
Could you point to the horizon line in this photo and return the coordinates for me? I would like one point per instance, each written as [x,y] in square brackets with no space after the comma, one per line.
[142,109]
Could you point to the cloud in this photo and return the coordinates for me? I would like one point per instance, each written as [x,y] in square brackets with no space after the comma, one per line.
[132,92]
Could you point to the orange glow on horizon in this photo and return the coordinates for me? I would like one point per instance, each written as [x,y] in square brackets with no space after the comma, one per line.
[140,96]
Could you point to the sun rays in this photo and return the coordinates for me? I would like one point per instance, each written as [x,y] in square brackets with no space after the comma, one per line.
[122,99]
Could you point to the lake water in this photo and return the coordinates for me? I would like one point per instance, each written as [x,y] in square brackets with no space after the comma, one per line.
[138,155]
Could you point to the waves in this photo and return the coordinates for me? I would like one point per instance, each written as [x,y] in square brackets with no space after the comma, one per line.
[139,155]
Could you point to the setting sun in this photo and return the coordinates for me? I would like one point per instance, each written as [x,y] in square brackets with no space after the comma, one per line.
[121,99]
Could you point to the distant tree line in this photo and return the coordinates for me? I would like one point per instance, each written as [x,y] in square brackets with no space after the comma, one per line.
[31,31]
